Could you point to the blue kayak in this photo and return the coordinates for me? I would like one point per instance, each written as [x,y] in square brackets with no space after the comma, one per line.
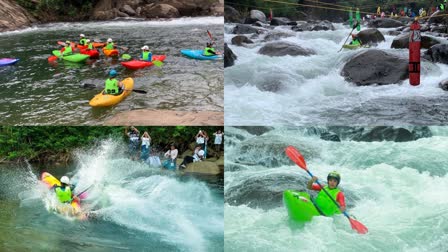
[197,54]
[8,61]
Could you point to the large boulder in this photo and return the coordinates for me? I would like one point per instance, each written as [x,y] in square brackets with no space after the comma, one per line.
[271,36]
[371,36]
[385,133]
[229,56]
[314,26]
[254,16]
[128,10]
[439,29]
[375,67]
[245,29]
[438,53]
[280,21]
[192,7]
[231,15]
[444,85]
[284,48]
[385,23]
[13,16]
[402,41]
[160,11]
[240,39]
[203,167]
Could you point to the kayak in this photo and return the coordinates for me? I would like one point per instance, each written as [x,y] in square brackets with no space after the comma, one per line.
[81,46]
[98,44]
[299,205]
[105,100]
[92,53]
[8,61]
[137,64]
[75,205]
[110,53]
[197,54]
[72,44]
[351,47]
[77,57]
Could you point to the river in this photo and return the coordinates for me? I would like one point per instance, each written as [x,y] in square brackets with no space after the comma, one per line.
[38,93]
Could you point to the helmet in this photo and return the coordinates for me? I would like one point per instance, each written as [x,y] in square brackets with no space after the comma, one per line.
[112,73]
[109,40]
[335,175]
[88,40]
[145,47]
[81,35]
[67,42]
[65,180]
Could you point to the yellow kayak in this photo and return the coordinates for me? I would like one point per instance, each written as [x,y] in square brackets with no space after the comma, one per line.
[105,100]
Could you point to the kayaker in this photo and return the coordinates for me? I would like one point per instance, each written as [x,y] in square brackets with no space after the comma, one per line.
[110,44]
[197,156]
[64,192]
[67,49]
[133,135]
[322,201]
[146,142]
[146,54]
[171,154]
[355,40]
[209,50]
[113,86]
[83,39]
[89,44]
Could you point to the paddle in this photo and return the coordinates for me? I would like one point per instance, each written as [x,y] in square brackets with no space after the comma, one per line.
[77,195]
[126,56]
[348,36]
[297,158]
[92,86]
[213,41]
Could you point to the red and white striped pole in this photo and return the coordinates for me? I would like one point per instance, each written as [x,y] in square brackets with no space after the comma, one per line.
[414,54]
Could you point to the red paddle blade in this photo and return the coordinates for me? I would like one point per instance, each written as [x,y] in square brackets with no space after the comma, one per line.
[52,58]
[210,35]
[295,156]
[358,226]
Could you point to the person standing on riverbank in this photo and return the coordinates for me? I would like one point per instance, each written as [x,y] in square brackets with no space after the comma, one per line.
[133,135]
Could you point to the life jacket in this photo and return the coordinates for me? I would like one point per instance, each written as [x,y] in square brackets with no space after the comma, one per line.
[207,51]
[112,86]
[147,56]
[82,41]
[109,46]
[64,195]
[356,41]
[325,204]
[67,50]
[90,46]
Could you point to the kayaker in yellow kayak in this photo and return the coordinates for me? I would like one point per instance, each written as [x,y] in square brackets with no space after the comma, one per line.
[67,49]
[322,202]
[82,40]
[110,44]
[146,54]
[209,50]
[113,86]
[64,192]
[355,40]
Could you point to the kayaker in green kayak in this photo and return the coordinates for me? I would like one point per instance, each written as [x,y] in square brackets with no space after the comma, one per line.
[355,40]
[64,192]
[89,45]
[209,50]
[110,44]
[146,54]
[113,86]
[83,39]
[67,49]
[322,202]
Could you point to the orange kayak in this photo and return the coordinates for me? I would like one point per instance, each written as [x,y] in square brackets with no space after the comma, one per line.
[110,53]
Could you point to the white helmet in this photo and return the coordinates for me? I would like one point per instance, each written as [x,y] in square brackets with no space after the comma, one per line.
[65,180]
[145,47]
[201,153]
[88,40]
[109,40]
[81,35]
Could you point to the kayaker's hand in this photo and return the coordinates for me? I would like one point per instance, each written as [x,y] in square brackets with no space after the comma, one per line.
[342,208]
[354,26]
[314,178]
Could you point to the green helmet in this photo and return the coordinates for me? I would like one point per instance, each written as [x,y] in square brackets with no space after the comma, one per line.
[335,175]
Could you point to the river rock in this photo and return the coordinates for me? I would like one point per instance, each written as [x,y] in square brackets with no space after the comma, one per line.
[371,36]
[324,25]
[254,16]
[330,136]
[279,21]
[128,10]
[240,39]
[203,167]
[402,41]
[444,85]
[231,15]
[122,14]
[384,23]
[375,67]
[393,33]
[160,11]
[275,35]
[439,29]
[276,49]
[229,56]
[19,19]
[195,7]
[245,29]
[386,133]
[255,130]
[438,53]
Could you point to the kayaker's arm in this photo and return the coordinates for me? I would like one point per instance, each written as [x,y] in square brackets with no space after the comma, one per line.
[310,183]
[340,198]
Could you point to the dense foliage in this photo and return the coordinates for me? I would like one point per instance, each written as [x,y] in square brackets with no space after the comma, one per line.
[38,142]
[58,9]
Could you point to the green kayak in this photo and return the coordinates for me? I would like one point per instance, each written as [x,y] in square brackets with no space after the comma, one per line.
[299,205]
[351,47]
[77,57]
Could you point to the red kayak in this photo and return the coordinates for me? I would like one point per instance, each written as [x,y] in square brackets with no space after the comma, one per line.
[92,53]
[137,64]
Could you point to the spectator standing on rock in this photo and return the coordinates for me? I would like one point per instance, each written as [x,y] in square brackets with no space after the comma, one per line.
[218,140]
[133,135]
[200,139]
[146,143]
